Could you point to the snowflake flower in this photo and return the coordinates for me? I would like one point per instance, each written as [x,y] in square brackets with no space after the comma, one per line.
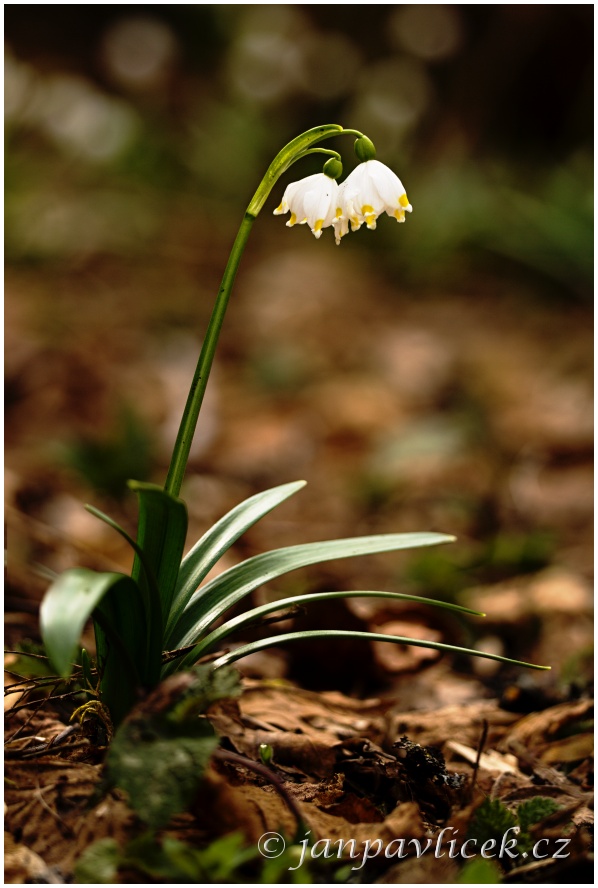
[370,190]
[313,200]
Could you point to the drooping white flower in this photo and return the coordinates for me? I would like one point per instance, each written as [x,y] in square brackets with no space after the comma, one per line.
[371,189]
[313,200]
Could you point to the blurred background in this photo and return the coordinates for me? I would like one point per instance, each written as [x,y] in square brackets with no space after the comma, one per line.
[435,376]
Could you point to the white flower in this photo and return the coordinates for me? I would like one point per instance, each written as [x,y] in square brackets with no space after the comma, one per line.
[313,200]
[371,189]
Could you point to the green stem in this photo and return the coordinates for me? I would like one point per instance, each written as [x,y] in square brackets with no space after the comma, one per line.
[182,446]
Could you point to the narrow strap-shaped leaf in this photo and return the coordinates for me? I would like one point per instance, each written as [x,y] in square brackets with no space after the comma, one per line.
[161,535]
[147,567]
[119,662]
[219,538]
[68,604]
[151,599]
[122,611]
[216,637]
[212,600]
[254,646]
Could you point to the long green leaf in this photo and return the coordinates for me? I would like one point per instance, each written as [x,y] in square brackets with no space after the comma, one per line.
[148,571]
[161,535]
[68,604]
[152,618]
[275,641]
[213,599]
[218,635]
[121,656]
[219,538]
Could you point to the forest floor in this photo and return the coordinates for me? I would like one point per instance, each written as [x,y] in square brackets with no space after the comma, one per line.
[461,413]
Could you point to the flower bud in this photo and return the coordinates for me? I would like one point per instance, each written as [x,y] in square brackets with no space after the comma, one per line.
[364,149]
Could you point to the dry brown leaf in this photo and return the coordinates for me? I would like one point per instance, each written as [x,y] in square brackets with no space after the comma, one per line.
[491,760]
[539,728]
[321,715]
[23,866]
[48,807]
[403,657]
[223,807]
[464,723]
[569,749]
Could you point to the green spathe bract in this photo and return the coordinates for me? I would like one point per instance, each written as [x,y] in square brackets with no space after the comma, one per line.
[163,605]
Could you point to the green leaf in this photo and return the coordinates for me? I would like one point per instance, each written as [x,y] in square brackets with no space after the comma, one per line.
[277,640]
[218,635]
[534,810]
[220,861]
[491,821]
[207,686]
[151,655]
[124,665]
[149,573]
[480,872]
[68,604]
[160,766]
[98,865]
[529,814]
[161,535]
[168,860]
[158,755]
[212,600]
[219,538]
[145,855]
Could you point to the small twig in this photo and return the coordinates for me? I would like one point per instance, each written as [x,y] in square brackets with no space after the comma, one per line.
[225,755]
[57,742]
[27,654]
[27,688]
[15,687]
[27,720]
[36,753]
[46,700]
[476,767]
[59,739]
[41,681]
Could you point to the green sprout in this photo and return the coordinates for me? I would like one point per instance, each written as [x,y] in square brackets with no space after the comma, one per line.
[163,606]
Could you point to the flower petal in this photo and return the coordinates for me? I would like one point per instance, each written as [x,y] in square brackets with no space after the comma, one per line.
[371,189]
[313,200]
